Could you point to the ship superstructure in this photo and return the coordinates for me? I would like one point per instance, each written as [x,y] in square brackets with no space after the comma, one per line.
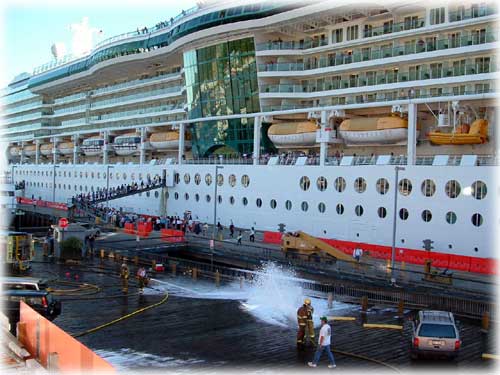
[308,106]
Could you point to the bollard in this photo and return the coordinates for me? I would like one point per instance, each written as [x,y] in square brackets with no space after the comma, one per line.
[195,274]
[111,255]
[364,304]
[217,278]
[241,282]
[485,322]
[136,260]
[117,258]
[330,300]
[388,266]
[401,308]
[153,265]
[174,269]
[102,253]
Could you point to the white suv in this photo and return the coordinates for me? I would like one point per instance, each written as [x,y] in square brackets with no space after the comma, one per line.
[435,333]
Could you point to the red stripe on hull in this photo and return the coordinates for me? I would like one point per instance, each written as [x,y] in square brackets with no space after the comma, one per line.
[441,260]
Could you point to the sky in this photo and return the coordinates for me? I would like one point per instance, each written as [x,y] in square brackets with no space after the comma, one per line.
[29,28]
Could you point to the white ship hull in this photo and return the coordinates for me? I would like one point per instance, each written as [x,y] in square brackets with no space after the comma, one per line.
[387,136]
[168,145]
[294,140]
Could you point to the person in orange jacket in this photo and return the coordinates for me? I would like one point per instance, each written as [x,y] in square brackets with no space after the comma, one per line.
[304,319]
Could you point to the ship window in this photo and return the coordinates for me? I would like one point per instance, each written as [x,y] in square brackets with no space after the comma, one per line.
[81,188]
[305,183]
[64,187]
[232,180]
[98,174]
[288,205]
[426,216]
[321,207]
[132,176]
[64,174]
[148,194]
[208,198]
[86,188]
[208,179]
[340,184]
[479,190]
[382,186]
[187,178]
[452,188]
[220,179]
[110,175]
[123,175]
[177,178]
[258,202]
[321,183]
[403,214]
[405,187]
[197,197]
[245,180]
[176,196]
[231,199]
[81,174]
[340,208]
[186,196]
[451,217]
[304,206]
[477,220]
[358,210]
[428,188]
[219,199]
[245,201]
[382,212]
[156,194]
[360,185]
[117,175]
[273,203]
[197,178]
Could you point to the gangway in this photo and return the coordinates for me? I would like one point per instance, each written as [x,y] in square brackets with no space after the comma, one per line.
[302,243]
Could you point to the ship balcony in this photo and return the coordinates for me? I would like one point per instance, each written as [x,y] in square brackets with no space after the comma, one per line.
[24,118]
[38,105]
[69,111]
[71,98]
[138,113]
[382,56]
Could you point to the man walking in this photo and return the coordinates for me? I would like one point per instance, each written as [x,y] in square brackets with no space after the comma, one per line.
[239,238]
[252,235]
[124,273]
[324,343]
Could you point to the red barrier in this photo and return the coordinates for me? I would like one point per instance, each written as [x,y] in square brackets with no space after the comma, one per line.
[41,203]
[142,230]
[149,226]
[129,228]
[172,235]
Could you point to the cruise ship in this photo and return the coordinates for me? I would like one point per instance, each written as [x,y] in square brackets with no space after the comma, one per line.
[336,118]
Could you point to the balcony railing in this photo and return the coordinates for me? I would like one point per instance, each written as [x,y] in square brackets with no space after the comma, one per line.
[141,95]
[140,111]
[473,12]
[381,53]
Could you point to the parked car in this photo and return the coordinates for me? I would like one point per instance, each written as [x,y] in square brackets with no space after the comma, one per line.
[22,283]
[40,300]
[435,333]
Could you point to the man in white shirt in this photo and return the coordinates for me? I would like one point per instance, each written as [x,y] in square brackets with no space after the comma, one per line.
[324,342]
[357,253]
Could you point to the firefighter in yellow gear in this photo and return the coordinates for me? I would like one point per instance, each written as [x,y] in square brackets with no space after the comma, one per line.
[304,319]
[124,273]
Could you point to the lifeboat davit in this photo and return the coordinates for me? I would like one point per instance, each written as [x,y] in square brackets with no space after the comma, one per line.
[375,130]
[128,144]
[293,134]
[30,150]
[46,149]
[477,133]
[14,151]
[92,146]
[168,140]
[65,148]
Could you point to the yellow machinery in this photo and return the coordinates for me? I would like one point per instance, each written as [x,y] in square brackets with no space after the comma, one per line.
[435,277]
[304,244]
[16,250]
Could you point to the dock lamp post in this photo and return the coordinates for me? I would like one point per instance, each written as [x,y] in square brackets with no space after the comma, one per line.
[397,168]
[108,167]
[54,184]
[217,167]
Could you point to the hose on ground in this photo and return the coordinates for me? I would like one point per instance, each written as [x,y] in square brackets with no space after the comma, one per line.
[359,356]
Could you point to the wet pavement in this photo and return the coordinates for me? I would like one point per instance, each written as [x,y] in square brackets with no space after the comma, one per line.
[201,327]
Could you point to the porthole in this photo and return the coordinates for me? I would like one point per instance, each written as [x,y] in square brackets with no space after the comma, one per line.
[219,199]
[244,201]
[232,180]
[197,178]
[340,184]
[148,194]
[477,220]
[305,183]
[117,175]
[304,206]
[208,198]
[186,196]
[273,203]
[321,183]
[187,178]
[321,207]
[64,187]
[405,187]
[231,200]
[245,180]
[340,208]
[123,175]
[140,176]
[451,217]
[403,214]
[382,212]
[104,175]
[360,185]
[426,216]
[176,196]
[288,205]
[479,190]
[220,179]
[382,186]
[64,174]
[428,188]
[110,175]
[177,178]
[258,202]
[197,197]
[81,188]
[358,210]
[132,176]
[208,179]
[452,188]
[81,174]
[86,187]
